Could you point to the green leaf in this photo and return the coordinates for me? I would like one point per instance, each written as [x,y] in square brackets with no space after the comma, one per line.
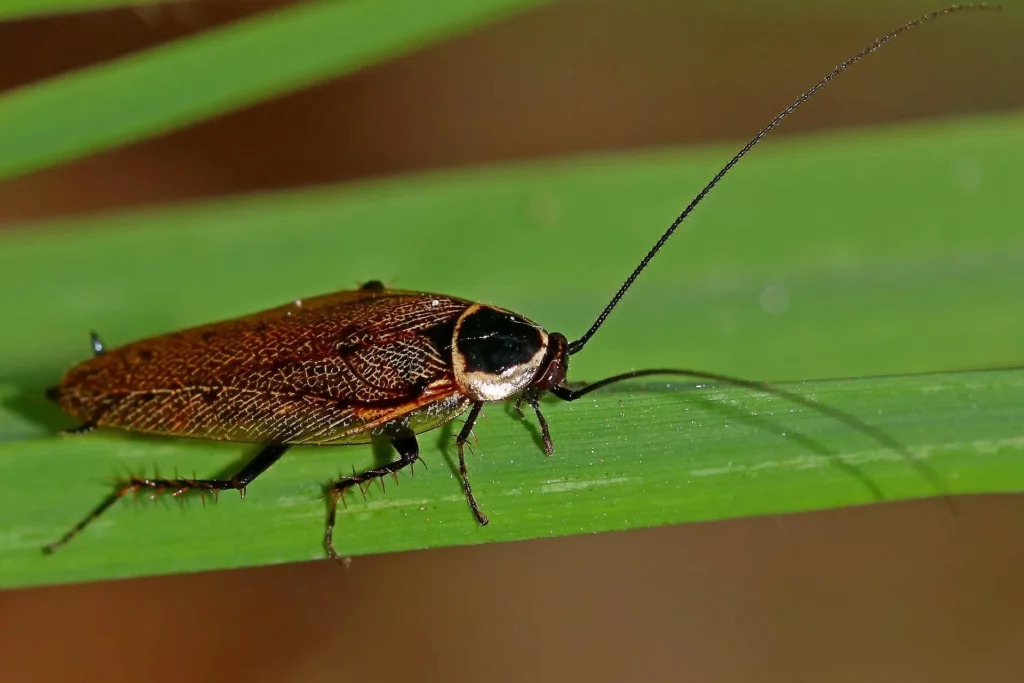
[19,9]
[742,8]
[880,252]
[217,71]
[624,459]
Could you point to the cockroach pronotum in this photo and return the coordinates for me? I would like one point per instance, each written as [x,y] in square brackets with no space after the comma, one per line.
[361,366]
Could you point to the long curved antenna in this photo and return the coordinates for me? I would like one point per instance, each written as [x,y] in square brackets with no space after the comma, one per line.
[848,419]
[578,345]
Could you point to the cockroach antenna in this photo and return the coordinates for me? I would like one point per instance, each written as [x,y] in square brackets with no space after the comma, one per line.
[577,346]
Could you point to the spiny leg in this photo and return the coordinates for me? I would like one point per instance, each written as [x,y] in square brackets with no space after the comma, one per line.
[408,454]
[252,469]
[460,444]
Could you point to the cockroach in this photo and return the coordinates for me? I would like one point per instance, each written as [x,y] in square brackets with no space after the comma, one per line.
[372,364]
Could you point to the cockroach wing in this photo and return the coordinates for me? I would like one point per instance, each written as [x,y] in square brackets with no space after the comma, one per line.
[341,368]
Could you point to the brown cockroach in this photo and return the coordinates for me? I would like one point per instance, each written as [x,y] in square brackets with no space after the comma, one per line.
[357,367]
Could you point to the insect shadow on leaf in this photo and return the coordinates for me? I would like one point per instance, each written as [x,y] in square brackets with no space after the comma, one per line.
[730,409]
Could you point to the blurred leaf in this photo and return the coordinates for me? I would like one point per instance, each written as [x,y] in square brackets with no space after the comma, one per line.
[19,9]
[879,252]
[892,250]
[841,10]
[215,72]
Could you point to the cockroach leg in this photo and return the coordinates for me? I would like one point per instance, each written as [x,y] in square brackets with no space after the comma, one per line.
[408,453]
[252,469]
[460,443]
[519,406]
[549,446]
[533,398]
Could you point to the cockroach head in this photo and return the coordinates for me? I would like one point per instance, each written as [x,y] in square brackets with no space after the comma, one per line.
[497,353]
[553,370]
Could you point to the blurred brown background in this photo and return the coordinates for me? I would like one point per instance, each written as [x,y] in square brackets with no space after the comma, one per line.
[889,593]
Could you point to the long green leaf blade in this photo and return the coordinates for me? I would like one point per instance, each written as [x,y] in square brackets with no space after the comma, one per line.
[625,459]
[215,72]
[22,9]
[904,255]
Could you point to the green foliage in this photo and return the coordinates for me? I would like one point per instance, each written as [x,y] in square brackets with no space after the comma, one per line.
[20,9]
[217,71]
[626,459]
[872,254]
